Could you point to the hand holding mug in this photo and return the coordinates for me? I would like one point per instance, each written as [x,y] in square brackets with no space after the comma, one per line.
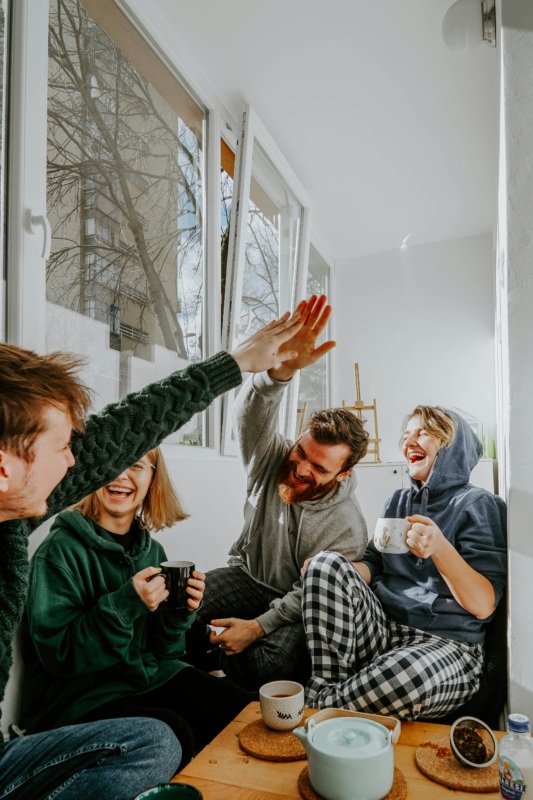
[184,590]
[196,589]
[150,586]
[424,538]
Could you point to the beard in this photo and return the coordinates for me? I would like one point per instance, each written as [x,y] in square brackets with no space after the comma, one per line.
[290,493]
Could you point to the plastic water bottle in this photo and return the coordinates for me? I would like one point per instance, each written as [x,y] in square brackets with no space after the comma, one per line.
[516,759]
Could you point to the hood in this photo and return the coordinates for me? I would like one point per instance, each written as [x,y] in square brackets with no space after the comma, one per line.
[340,492]
[453,464]
[87,531]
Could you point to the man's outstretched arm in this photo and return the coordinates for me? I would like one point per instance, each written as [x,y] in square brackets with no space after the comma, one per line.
[123,432]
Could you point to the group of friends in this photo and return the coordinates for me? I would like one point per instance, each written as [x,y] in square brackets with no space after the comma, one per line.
[118,689]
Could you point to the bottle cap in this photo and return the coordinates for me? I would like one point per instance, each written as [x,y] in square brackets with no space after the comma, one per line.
[518,723]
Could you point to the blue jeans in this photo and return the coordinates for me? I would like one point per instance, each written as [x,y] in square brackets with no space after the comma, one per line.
[117,758]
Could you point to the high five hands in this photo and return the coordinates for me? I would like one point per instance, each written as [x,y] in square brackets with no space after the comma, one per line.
[315,314]
[287,344]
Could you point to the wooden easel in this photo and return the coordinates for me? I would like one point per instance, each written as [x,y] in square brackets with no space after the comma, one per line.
[358,408]
[301,414]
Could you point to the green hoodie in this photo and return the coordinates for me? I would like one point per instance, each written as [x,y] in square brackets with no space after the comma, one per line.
[87,637]
[113,439]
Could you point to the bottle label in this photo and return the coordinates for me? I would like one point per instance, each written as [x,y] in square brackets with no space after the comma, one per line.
[512,784]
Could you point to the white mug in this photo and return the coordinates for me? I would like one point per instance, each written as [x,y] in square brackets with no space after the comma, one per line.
[389,536]
[282,704]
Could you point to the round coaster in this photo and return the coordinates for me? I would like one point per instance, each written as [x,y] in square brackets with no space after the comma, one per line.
[436,760]
[262,742]
[397,792]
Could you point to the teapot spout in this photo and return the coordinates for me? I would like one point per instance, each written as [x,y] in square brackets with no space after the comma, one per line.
[301,733]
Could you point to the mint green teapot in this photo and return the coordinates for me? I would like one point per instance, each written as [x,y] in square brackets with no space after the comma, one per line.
[349,758]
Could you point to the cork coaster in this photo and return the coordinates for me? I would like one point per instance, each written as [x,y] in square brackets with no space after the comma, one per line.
[262,742]
[397,792]
[436,760]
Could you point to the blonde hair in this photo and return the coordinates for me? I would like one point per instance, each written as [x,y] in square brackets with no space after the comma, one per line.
[161,507]
[436,421]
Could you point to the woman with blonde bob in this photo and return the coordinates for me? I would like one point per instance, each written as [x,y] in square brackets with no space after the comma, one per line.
[100,640]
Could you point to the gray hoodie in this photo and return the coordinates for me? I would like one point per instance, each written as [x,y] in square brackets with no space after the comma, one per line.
[276,537]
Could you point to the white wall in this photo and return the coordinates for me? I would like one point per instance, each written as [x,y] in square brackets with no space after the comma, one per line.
[213,493]
[515,213]
[420,323]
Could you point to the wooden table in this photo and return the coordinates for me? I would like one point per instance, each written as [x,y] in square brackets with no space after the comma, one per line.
[222,771]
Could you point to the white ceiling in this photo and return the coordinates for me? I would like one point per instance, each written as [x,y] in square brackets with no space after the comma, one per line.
[390,132]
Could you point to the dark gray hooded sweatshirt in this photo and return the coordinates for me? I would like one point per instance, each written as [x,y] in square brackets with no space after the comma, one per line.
[411,589]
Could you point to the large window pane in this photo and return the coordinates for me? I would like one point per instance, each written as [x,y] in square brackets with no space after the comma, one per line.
[3,93]
[227,175]
[272,238]
[125,278]
[268,248]
[314,380]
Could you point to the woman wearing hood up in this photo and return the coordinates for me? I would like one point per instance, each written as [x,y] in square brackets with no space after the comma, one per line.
[403,634]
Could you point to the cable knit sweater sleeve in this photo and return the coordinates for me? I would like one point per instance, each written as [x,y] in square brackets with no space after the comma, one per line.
[123,432]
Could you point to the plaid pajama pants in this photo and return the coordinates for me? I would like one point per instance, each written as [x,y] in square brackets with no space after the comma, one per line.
[365,661]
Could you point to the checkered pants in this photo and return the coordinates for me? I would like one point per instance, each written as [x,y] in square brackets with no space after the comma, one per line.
[366,661]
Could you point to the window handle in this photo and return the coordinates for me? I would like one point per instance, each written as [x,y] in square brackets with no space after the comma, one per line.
[37,221]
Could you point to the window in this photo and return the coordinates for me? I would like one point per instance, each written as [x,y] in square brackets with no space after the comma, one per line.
[125,244]
[268,247]
[315,381]
[125,185]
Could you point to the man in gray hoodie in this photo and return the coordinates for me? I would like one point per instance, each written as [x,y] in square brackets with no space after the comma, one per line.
[300,500]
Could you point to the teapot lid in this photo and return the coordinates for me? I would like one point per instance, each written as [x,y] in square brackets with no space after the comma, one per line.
[350,738]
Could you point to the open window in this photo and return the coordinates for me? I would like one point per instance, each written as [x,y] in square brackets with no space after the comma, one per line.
[314,391]
[267,250]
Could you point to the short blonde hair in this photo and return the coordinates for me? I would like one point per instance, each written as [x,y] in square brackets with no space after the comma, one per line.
[436,421]
[161,507]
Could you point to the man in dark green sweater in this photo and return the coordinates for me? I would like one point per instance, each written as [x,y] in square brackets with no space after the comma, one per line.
[41,402]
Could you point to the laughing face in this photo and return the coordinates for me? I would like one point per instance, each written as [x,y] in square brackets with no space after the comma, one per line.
[419,449]
[310,470]
[121,498]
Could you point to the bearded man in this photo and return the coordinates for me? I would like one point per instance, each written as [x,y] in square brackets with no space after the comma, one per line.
[300,500]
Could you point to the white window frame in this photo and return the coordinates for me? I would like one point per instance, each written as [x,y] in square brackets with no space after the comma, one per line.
[293,288]
[28,232]
[27,228]
[328,358]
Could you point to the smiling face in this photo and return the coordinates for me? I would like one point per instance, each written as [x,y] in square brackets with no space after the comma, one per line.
[120,499]
[419,449]
[310,470]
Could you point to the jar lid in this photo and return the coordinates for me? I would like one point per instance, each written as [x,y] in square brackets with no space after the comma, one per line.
[518,723]
[350,738]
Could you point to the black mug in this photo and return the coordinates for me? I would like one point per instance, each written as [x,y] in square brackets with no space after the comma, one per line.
[176,575]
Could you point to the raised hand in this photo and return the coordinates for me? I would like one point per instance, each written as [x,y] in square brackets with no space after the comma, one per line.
[315,314]
[424,538]
[264,349]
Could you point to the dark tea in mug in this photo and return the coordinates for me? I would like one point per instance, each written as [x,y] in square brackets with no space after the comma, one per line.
[176,574]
